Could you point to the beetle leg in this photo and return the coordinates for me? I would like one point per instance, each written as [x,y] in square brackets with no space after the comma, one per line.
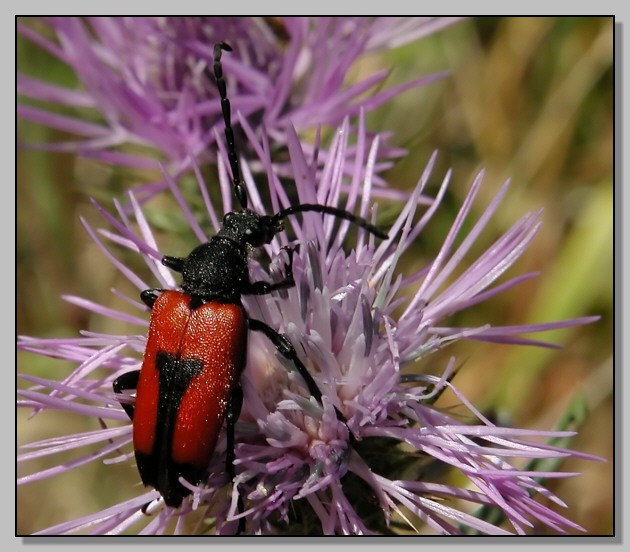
[286,349]
[234,411]
[149,296]
[174,263]
[263,288]
[128,380]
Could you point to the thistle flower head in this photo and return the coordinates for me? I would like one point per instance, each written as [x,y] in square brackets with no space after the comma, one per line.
[147,82]
[363,331]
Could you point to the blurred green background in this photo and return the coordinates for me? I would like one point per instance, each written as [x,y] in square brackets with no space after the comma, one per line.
[527,98]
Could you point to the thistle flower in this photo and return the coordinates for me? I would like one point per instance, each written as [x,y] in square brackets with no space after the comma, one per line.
[146,80]
[365,333]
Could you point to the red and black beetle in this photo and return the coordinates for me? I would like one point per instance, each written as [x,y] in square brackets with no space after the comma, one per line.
[188,385]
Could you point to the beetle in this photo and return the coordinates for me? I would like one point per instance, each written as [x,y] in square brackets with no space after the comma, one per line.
[188,386]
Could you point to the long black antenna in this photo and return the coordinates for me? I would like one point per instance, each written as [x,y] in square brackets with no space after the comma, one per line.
[237,181]
[329,210]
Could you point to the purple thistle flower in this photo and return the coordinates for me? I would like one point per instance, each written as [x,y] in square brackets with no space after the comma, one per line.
[298,468]
[146,80]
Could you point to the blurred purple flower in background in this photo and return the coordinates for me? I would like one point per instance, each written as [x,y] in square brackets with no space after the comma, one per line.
[143,82]
[365,333]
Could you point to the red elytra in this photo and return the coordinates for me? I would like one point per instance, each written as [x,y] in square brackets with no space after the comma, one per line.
[192,361]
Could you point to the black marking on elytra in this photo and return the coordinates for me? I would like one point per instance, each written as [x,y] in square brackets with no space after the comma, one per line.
[158,469]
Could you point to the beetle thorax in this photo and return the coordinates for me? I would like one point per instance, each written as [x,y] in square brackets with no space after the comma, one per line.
[216,270]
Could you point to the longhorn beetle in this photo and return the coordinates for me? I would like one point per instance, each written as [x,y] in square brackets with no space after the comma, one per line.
[188,385]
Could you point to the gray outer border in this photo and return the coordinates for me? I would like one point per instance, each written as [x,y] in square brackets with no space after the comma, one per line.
[269,543]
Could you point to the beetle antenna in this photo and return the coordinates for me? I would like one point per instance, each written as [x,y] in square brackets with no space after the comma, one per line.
[237,181]
[329,210]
